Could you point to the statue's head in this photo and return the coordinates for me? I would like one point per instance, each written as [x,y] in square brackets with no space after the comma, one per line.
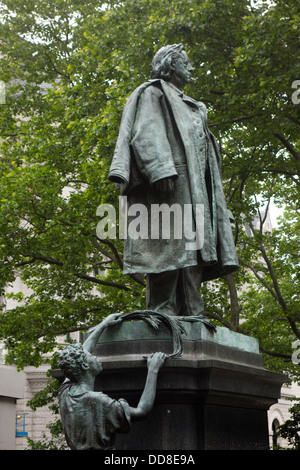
[170,61]
[74,361]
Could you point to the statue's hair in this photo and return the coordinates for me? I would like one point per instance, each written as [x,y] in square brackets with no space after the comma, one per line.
[73,361]
[164,59]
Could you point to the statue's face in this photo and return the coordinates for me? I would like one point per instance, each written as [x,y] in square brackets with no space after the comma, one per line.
[182,70]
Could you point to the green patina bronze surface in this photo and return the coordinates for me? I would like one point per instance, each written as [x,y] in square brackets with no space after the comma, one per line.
[166,154]
[139,330]
[91,419]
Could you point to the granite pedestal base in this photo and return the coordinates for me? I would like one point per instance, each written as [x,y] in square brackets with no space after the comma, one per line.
[214,397]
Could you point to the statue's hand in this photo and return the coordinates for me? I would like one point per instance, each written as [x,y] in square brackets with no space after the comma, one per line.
[165,185]
[156,361]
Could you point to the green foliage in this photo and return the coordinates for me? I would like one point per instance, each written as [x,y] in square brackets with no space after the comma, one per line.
[291,428]
[55,442]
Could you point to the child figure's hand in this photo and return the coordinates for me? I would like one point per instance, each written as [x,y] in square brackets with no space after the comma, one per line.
[156,361]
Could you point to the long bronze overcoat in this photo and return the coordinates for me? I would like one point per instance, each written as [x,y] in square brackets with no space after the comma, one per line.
[164,134]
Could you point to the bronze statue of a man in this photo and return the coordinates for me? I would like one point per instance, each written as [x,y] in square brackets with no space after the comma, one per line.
[166,158]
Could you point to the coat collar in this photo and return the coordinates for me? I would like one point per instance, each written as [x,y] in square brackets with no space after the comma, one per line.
[184,97]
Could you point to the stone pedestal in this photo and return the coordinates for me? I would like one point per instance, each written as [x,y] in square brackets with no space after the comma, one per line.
[215,396]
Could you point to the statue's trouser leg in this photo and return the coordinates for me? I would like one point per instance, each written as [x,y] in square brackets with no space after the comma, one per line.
[175,292]
[188,289]
[161,291]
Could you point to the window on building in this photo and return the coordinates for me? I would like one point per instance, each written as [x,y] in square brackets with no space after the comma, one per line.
[21,425]
[275,426]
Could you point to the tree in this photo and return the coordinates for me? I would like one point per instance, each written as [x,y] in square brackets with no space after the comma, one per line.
[69,68]
[290,429]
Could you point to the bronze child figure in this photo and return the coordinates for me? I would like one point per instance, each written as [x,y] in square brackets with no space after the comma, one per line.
[92,419]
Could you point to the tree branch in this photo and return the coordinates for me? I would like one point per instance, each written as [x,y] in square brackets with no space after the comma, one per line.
[234,303]
[260,279]
[288,146]
[239,119]
[79,275]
